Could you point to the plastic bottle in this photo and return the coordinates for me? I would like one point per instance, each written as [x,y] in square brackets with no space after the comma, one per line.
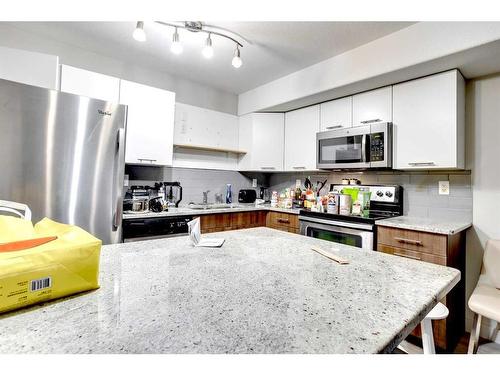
[229,194]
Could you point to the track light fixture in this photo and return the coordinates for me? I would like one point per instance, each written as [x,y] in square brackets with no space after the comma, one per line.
[195,27]
[139,33]
[237,62]
[176,46]
[208,51]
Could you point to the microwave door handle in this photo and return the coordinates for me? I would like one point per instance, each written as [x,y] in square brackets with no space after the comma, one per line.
[364,154]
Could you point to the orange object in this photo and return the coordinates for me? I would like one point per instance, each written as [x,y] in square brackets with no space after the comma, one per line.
[25,244]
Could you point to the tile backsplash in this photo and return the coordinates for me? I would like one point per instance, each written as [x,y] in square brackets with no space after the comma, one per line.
[421,195]
[195,181]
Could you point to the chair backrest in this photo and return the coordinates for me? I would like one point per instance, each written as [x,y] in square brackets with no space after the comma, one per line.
[491,262]
[15,208]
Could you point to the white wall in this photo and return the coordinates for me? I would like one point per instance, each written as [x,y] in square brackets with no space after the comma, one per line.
[483,158]
[187,92]
[401,55]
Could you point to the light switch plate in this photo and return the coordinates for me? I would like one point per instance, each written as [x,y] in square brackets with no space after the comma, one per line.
[254,182]
[444,187]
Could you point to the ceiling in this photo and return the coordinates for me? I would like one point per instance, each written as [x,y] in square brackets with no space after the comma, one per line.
[277,49]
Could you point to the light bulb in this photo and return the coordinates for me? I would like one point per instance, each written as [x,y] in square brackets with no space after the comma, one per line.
[208,51]
[139,33]
[176,46]
[237,62]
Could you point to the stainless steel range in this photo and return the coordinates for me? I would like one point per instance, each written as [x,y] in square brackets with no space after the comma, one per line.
[385,201]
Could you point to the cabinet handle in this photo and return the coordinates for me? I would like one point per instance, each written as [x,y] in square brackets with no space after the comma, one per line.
[408,241]
[299,167]
[150,160]
[285,221]
[334,127]
[267,168]
[414,164]
[407,256]
[371,121]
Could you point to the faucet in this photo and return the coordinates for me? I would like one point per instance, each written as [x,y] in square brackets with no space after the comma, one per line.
[205,196]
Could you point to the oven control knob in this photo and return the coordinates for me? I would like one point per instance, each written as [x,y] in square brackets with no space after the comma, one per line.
[379,194]
[388,194]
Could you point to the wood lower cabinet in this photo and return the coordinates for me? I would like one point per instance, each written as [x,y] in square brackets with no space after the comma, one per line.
[283,221]
[230,221]
[241,220]
[445,250]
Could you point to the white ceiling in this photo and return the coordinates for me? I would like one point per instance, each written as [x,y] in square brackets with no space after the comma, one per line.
[278,49]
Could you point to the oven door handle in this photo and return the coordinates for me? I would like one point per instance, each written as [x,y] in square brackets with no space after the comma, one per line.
[367,227]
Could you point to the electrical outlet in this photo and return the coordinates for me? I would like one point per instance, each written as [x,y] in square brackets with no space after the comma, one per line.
[444,187]
[125,180]
[254,182]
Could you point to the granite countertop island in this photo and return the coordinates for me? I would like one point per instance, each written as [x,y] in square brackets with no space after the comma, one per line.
[425,224]
[180,211]
[263,291]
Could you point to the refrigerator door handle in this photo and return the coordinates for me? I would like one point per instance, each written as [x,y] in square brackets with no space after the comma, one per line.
[117,217]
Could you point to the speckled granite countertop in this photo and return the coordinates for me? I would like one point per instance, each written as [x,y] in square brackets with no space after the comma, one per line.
[194,212]
[425,224]
[264,291]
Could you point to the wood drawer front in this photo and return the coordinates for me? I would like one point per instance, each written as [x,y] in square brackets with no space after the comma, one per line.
[411,254]
[413,240]
[282,220]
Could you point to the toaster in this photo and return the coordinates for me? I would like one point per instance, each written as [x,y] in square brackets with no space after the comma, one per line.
[247,196]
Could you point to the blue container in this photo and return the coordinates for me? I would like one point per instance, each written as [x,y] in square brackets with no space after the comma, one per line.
[229,194]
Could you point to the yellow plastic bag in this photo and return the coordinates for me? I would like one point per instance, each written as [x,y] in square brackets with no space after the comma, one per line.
[66,265]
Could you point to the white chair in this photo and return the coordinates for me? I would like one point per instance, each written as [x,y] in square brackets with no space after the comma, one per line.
[485,300]
[15,208]
[439,312]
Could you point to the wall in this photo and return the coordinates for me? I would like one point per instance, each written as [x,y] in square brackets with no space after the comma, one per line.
[420,189]
[188,92]
[420,49]
[195,181]
[483,158]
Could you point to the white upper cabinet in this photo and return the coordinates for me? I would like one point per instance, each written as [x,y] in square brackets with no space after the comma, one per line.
[261,135]
[301,127]
[195,126]
[372,106]
[30,68]
[429,122]
[336,114]
[150,123]
[86,83]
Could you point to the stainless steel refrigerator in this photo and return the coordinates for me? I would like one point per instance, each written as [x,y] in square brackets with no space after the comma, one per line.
[64,156]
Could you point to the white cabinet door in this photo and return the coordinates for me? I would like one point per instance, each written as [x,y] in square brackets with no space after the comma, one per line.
[429,122]
[372,106]
[30,68]
[262,136]
[197,126]
[336,114]
[268,137]
[301,127]
[150,123]
[94,85]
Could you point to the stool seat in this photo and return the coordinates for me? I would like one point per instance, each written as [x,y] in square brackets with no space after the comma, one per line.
[439,312]
[485,301]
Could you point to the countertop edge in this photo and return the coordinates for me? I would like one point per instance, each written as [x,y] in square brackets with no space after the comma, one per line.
[193,212]
[423,228]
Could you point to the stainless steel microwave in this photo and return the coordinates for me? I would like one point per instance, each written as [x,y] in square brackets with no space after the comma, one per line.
[368,146]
